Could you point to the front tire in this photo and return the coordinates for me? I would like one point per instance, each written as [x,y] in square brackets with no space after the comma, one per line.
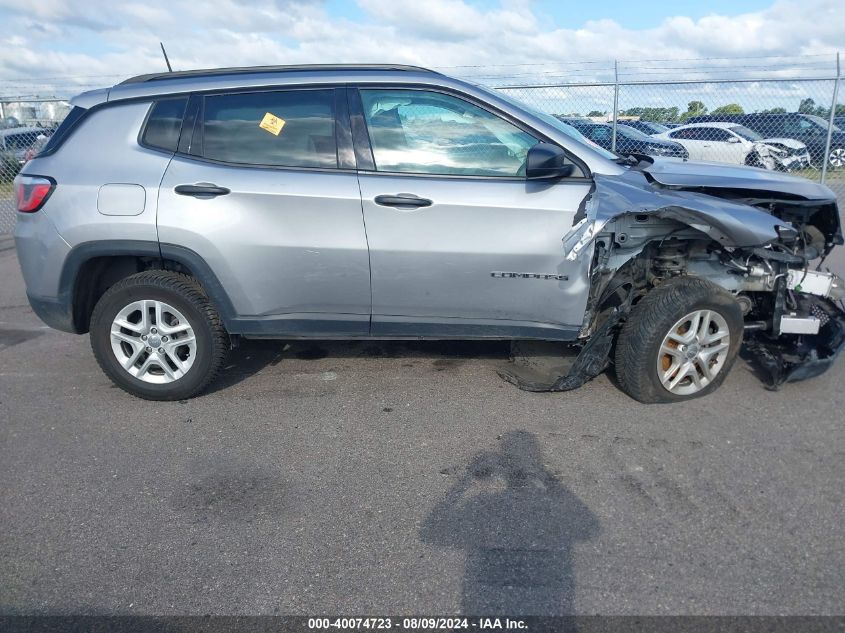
[679,342]
[157,336]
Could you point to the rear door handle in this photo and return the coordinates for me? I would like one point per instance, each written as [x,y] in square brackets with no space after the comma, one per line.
[201,189]
[402,201]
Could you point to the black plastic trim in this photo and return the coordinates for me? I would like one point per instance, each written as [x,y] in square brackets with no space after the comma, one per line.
[55,312]
[302,326]
[186,134]
[67,127]
[360,136]
[251,70]
[343,131]
[444,327]
[86,251]
[203,273]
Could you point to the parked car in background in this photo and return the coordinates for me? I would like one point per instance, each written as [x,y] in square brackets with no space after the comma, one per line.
[839,122]
[736,144]
[17,140]
[806,128]
[36,146]
[628,140]
[646,127]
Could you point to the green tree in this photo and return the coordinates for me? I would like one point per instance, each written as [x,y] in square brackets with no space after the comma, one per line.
[807,106]
[596,113]
[729,108]
[694,108]
[653,114]
[774,111]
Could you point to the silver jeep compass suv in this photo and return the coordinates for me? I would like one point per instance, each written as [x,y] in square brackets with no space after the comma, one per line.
[174,213]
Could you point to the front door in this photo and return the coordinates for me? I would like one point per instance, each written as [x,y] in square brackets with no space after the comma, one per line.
[461,244]
[262,198]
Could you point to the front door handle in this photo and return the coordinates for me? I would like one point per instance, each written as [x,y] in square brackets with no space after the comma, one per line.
[201,189]
[403,201]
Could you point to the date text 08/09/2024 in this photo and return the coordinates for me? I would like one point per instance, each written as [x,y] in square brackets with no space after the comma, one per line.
[416,624]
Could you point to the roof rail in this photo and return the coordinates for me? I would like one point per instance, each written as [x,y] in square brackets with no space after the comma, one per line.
[244,70]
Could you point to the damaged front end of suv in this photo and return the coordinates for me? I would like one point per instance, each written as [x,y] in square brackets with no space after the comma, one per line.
[760,239]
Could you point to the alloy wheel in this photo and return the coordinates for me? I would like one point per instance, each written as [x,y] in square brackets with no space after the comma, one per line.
[153,341]
[693,352]
[837,157]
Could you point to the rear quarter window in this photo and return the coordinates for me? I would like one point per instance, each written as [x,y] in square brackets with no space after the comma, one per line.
[64,130]
[164,124]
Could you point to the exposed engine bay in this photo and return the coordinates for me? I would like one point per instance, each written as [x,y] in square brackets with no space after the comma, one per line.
[765,245]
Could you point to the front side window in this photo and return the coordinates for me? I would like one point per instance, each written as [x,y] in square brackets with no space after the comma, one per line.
[421,132]
[286,128]
[744,132]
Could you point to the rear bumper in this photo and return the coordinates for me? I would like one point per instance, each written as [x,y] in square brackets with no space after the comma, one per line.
[57,313]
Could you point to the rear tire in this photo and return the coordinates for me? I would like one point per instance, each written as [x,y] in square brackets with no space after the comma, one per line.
[679,342]
[158,337]
[836,158]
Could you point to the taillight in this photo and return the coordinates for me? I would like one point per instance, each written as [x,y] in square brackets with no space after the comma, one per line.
[32,192]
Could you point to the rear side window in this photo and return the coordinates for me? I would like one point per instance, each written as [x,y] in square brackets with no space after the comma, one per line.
[286,128]
[692,134]
[164,124]
[715,134]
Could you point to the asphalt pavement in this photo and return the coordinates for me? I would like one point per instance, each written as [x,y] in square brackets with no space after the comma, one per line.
[407,478]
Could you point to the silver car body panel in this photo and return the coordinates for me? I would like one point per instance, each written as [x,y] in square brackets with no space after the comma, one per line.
[439,261]
[681,173]
[283,242]
[81,171]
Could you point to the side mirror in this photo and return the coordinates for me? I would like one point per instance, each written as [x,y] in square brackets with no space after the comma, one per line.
[733,139]
[547,162]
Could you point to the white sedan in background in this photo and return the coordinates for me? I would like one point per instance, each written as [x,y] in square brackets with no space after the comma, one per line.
[734,143]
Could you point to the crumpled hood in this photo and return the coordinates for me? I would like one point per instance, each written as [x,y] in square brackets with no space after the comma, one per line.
[788,142]
[689,173]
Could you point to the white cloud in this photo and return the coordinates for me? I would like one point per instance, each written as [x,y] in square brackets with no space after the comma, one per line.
[79,41]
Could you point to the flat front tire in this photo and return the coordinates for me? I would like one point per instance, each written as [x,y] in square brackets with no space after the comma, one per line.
[157,336]
[679,342]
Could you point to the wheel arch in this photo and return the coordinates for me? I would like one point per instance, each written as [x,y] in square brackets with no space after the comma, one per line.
[91,268]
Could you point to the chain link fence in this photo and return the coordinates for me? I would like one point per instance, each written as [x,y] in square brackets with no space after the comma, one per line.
[776,123]
[25,127]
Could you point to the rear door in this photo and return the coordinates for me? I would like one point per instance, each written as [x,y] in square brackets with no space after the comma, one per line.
[461,244]
[721,146]
[264,191]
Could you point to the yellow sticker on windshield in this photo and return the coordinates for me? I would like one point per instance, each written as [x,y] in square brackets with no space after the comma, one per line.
[272,124]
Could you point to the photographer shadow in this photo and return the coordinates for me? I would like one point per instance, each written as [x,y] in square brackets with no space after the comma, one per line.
[518,526]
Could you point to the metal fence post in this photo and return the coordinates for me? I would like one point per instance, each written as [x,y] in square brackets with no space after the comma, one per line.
[615,102]
[826,157]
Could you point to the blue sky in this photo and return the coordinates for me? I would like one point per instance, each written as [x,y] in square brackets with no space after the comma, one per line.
[575,14]
[64,47]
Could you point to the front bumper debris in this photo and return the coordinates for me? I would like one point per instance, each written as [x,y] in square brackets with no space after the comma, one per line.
[790,358]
